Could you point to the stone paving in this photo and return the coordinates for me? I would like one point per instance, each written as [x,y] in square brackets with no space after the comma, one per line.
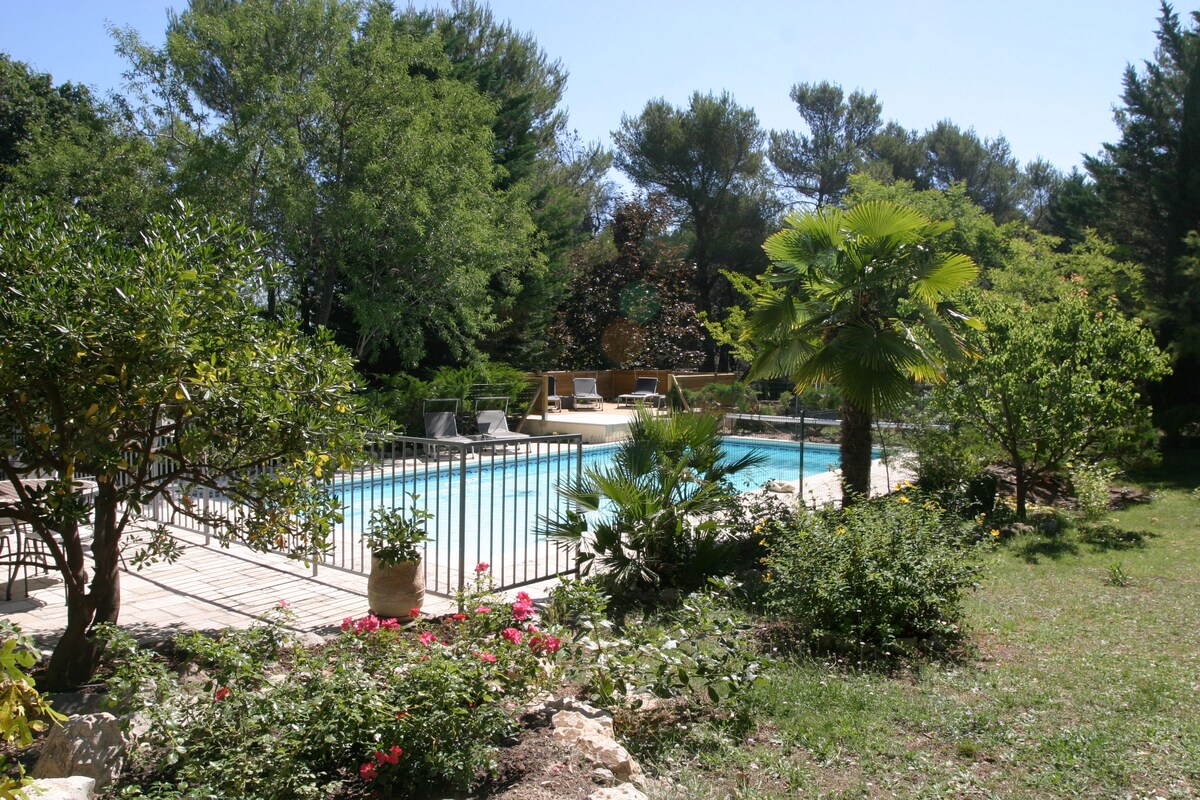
[210,587]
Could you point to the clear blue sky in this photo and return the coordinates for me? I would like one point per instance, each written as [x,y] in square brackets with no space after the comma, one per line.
[1045,74]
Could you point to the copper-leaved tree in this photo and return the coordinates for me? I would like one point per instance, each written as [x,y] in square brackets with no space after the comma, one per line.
[146,369]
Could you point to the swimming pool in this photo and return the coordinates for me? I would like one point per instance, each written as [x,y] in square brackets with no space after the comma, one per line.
[489,506]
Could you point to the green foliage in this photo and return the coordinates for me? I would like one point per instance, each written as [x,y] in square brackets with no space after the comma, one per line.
[149,369]
[708,160]
[1057,383]
[649,521]
[738,396]
[345,132]
[702,651]
[948,461]
[873,574]
[1090,483]
[818,166]
[861,299]
[576,603]
[23,712]
[393,537]
[378,708]
[65,145]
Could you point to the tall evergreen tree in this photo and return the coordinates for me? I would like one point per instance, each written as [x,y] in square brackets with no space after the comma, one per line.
[817,165]
[708,159]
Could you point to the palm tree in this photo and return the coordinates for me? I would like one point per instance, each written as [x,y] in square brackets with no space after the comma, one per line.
[858,297]
[650,521]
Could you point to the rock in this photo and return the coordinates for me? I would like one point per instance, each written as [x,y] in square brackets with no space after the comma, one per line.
[77,787]
[594,738]
[623,792]
[1049,525]
[88,745]
[603,776]
[779,487]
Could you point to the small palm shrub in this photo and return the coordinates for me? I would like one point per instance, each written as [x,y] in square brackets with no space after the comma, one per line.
[874,574]
[650,525]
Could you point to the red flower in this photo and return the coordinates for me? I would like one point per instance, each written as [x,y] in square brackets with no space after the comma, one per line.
[523,597]
[347,623]
[392,756]
[401,714]
[222,693]
[368,772]
[390,624]
[488,657]
[511,634]
[544,644]
[459,617]
[413,613]
[482,567]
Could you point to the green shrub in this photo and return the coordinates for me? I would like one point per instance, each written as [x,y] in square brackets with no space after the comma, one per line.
[703,650]
[1090,482]
[874,574]
[378,708]
[23,711]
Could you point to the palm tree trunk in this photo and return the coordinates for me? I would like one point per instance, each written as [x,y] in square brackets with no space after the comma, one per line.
[856,453]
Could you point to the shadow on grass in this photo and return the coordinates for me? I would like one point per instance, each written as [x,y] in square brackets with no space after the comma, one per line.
[1032,548]
[1099,538]
[1179,469]
[1103,538]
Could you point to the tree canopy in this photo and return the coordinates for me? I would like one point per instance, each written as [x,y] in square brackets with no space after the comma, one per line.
[149,371]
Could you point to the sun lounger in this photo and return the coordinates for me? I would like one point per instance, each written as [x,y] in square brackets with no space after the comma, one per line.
[493,422]
[585,395]
[644,390]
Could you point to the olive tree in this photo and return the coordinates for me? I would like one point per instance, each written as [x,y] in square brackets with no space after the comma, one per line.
[145,372]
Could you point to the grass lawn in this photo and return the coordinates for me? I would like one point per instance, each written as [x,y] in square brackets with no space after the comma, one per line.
[1083,681]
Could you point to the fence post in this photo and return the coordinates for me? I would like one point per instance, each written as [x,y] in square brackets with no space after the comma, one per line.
[462,518]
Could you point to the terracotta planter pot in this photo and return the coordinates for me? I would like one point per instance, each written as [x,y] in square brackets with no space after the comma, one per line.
[395,589]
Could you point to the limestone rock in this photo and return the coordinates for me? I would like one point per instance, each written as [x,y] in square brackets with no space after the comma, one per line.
[594,738]
[76,787]
[86,745]
[623,792]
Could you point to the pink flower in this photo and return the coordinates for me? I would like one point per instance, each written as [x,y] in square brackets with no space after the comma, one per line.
[427,638]
[347,623]
[368,772]
[413,613]
[488,657]
[522,609]
[483,610]
[222,693]
[523,597]
[284,604]
[511,634]
[390,624]
[482,567]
